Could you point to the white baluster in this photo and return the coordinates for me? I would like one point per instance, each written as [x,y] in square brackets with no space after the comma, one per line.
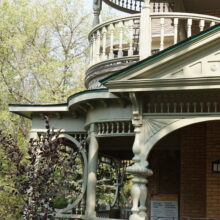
[155,108]
[194,106]
[112,128]
[161,107]
[215,106]
[103,128]
[187,106]
[174,107]
[208,106]
[162,33]
[212,23]
[201,106]
[107,128]
[130,43]
[148,107]
[129,127]
[91,51]
[189,27]
[104,31]
[168,107]
[201,25]
[98,46]
[118,128]
[111,28]
[120,51]
[176,21]
[123,127]
[94,50]
[181,107]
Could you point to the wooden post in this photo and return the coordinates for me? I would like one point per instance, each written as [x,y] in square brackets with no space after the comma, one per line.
[92,178]
[145,31]
[97,7]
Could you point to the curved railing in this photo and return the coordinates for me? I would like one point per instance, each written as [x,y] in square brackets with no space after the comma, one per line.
[129,6]
[135,6]
[114,39]
[119,38]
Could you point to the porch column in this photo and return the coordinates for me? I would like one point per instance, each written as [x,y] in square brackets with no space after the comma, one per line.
[145,31]
[97,7]
[139,169]
[92,167]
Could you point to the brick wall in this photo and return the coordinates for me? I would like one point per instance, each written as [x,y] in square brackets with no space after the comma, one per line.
[193,165]
[213,179]
[197,185]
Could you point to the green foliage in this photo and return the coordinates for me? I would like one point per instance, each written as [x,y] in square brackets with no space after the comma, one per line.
[43,52]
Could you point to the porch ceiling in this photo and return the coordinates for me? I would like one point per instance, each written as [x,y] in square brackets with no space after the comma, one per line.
[199,5]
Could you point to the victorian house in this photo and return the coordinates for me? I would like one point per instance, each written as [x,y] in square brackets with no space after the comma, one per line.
[150,114]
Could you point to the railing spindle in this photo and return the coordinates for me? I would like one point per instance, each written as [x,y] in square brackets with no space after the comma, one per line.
[98,46]
[120,52]
[189,27]
[111,28]
[162,33]
[131,50]
[104,31]
[91,51]
[201,25]
[176,21]
[94,49]
[212,23]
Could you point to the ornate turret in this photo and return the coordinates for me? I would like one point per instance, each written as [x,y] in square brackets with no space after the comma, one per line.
[151,27]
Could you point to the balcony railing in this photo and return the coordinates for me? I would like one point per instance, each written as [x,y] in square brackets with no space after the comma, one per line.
[119,38]
[135,6]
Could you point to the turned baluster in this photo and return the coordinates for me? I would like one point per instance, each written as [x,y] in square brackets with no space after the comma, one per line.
[120,51]
[111,28]
[94,49]
[104,31]
[201,106]
[130,50]
[189,27]
[98,46]
[162,33]
[181,107]
[201,25]
[107,128]
[123,127]
[208,106]
[91,51]
[212,24]
[194,106]
[118,128]
[168,107]
[176,21]
[148,107]
[161,107]
[158,4]
[174,107]
[112,128]
[215,106]
[155,108]
[187,107]
[103,128]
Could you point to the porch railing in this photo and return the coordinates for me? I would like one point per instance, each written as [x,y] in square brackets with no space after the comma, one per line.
[119,38]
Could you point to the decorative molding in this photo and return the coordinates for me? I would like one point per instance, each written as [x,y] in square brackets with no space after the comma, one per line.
[153,126]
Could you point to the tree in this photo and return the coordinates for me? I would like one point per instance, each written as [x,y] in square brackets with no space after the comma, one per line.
[43,46]
[43,51]
[43,176]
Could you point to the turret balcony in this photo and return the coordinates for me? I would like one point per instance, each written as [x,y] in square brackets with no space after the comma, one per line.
[115,44]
